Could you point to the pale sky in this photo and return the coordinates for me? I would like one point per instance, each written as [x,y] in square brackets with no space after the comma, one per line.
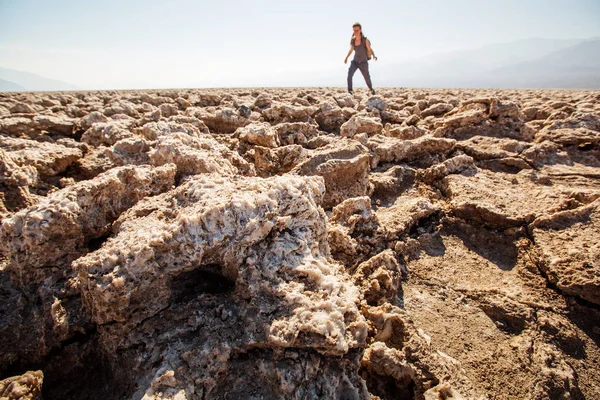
[181,43]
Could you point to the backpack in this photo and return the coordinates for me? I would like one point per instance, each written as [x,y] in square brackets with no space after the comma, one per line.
[363,38]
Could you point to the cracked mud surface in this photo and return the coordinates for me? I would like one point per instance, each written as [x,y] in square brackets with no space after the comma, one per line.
[300,243]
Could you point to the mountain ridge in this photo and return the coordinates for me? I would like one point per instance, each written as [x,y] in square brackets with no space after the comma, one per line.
[8,86]
[30,81]
[569,67]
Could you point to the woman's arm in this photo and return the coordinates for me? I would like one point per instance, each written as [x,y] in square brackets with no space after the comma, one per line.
[349,52]
[370,50]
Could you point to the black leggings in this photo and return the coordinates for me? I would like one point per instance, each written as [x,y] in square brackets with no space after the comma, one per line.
[364,69]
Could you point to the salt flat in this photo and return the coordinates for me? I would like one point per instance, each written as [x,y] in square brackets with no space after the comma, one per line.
[300,243]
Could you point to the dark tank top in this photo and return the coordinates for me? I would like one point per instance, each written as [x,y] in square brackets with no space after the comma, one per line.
[360,51]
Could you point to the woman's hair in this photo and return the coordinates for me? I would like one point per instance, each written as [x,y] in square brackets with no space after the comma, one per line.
[362,36]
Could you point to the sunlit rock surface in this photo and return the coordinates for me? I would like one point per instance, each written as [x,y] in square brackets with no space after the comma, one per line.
[300,243]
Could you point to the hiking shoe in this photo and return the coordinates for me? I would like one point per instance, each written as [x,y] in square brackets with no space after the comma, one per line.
[373,92]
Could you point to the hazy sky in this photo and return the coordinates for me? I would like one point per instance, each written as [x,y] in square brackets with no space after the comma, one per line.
[151,43]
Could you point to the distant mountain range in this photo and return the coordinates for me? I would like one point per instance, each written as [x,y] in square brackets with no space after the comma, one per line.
[8,86]
[529,63]
[16,81]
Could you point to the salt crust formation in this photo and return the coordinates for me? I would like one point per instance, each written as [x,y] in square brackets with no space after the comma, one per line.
[300,243]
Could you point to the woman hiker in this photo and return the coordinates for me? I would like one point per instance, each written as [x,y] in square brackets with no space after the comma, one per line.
[361,46]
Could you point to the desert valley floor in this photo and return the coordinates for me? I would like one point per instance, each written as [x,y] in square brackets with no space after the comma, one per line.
[300,243]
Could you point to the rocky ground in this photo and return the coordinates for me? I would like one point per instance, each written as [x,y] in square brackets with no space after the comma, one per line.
[300,243]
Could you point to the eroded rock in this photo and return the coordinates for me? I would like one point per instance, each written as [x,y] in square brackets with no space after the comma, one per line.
[24,387]
[344,166]
[48,158]
[253,240]
[75,215]
[449,254]
[570,254]
[260,134]
[486,117]
[197,155]
[394,150]
[361,124]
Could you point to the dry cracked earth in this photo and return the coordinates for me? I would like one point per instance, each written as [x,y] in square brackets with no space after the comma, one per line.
[300,244]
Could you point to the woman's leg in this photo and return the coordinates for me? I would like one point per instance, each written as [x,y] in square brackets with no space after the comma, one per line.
[364,70]
[351,71]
